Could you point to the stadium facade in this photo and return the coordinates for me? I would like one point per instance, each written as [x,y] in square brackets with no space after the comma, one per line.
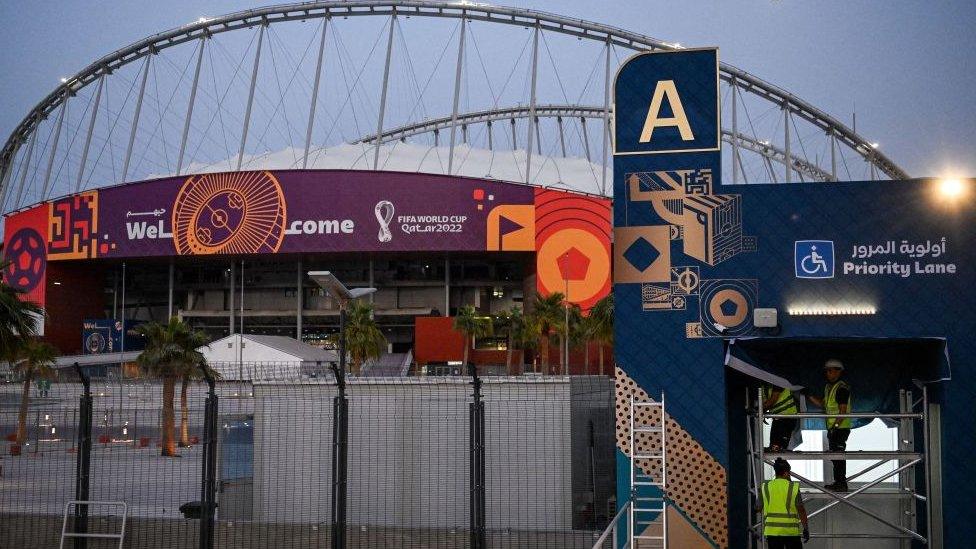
[226,250]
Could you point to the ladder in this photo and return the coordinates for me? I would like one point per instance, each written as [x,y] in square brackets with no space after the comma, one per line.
[87,504]
[648,478]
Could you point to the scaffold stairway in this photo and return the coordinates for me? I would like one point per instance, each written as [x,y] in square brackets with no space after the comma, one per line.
[648,476]
[907,465]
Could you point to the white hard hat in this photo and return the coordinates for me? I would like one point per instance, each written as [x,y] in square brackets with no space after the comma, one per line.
[834,363]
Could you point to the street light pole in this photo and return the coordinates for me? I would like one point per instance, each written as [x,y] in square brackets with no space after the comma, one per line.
[340,415]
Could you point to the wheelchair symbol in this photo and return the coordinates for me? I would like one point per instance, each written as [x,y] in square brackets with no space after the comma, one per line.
[814,259]
[813,263]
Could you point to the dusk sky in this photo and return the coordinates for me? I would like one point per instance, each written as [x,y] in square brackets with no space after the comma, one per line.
[905,65]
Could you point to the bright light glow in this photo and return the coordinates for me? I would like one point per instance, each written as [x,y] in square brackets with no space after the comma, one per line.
[951,188]
[64,80]
[202,20]
[874,145]
[832,311]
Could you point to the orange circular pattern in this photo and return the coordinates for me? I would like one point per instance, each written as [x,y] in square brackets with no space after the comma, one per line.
[741,307]
[597,273]
[229,213]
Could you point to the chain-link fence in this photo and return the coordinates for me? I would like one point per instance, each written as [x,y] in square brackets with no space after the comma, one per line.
[429,462]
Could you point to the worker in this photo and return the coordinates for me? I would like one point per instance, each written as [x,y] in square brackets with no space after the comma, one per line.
[784,517]
[837,399]
[779,401]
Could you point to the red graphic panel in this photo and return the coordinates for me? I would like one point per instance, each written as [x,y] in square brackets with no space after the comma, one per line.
[573,246]
[24,245]
[73,227]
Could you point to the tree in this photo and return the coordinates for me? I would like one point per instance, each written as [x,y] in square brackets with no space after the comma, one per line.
[580,329]
[171,350]
[192,372]
[364,340]
[18,318]
[601,318]
[33,360]
[471,326]
[512,324]
[548,317]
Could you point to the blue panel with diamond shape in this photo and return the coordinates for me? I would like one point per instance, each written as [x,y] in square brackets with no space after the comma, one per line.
[641,254]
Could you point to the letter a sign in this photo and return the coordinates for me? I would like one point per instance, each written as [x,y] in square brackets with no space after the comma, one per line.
[667,102]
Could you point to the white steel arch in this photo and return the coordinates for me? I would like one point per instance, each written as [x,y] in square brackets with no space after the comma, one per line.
[739,82]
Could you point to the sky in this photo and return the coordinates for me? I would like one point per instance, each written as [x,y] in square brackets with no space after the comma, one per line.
[904,66]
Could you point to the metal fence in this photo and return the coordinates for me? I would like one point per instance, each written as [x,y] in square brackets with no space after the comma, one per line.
[428,462]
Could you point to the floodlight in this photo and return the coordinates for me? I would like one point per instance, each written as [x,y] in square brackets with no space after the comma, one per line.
[337,289]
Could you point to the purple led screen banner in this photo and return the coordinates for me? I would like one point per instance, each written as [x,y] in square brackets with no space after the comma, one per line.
[285,212]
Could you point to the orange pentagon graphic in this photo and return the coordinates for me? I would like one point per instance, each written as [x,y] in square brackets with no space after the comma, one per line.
[573,243]
[229,213]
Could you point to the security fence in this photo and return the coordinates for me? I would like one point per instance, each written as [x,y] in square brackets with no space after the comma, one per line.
[446,461]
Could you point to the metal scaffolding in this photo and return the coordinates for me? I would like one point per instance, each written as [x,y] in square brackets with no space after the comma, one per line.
[915,509]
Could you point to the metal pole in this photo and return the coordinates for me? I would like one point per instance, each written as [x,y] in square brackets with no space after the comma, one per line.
[340,441]
[91,130]
[586,139]
[566,334]
[135,118]
[230,296]
[606,121]
[491,145]
[299,298]
[532,120]
[457,94]
[23,175]
[476,438]
[928,462]
[447,286]
[788,158]
[562,140]
[172,279]
[315,97]
[189,107]
[250,96]
[386,81]
[833,154]
[208,480]
[83,460]
[54,145]
[735,131]
[122,350]
[514,138]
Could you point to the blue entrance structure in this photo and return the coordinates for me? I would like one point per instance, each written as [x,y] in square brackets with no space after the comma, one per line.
[694,259]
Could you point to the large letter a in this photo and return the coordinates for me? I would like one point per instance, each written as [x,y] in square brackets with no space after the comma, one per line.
[666,87]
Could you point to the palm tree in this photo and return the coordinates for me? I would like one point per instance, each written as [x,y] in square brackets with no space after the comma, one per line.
[18,318]
[601,316]
[511,324]
[471,326]
[579,334]
[34,359]
[548,317]
[171,350]
[364,340]
[191,372]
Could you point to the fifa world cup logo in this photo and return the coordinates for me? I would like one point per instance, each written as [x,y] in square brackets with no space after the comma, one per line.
[384,214]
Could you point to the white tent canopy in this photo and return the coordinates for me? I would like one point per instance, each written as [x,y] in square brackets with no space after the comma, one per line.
[263,357]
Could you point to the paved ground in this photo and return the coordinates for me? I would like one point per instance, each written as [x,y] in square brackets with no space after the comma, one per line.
[29,532]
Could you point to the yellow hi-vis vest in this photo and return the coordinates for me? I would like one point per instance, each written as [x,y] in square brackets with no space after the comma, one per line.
[780,517]
[831,406]
[786,404]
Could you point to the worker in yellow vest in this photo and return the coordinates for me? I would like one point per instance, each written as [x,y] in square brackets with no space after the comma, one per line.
[837,399]
[784,517]
[779,401]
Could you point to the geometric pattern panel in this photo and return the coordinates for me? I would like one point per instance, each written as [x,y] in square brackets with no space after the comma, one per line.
[704,503]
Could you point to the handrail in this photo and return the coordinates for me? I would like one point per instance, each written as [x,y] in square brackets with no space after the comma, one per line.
[855,415]
[612,527]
